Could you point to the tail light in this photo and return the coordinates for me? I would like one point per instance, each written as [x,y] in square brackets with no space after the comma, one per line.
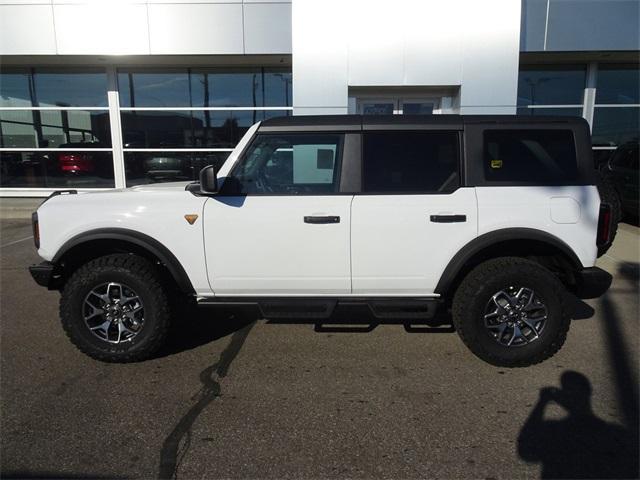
[36,229]
[604,225]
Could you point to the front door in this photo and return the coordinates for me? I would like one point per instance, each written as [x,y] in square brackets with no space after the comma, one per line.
[279,227]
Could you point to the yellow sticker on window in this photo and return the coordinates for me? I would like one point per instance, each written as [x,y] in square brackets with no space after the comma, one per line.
[496,164]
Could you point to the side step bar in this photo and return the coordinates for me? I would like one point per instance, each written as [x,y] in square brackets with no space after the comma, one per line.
[322,308]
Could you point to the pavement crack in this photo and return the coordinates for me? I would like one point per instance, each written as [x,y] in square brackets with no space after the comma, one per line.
[172,454]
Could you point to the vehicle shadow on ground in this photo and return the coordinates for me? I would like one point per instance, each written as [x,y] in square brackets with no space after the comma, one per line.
[176,445]
[197,326]
[581,445]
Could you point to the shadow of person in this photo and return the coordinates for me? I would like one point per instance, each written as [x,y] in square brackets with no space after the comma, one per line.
[581,445]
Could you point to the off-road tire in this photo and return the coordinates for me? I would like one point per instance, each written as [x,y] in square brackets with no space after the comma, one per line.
[608,194]
[134,271]
[476,290]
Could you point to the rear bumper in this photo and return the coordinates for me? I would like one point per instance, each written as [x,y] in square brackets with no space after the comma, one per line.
[44,274]
[592,282]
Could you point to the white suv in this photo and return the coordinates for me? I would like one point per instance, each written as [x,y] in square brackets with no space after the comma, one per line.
[492,217]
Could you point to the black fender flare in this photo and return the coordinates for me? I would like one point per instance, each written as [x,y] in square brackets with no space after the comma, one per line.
[475,246]
[150,244]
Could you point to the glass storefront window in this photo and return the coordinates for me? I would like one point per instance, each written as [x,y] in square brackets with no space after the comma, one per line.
[189,129]
[54,129]
[551,85]
[14,89]
[277,88]
[571,112]
[53,88]
[614,126]
[618,84]
[59,169]
[153,167]
[169,88]
[241,87]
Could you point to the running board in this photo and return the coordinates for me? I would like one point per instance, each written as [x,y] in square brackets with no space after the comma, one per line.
[322,308]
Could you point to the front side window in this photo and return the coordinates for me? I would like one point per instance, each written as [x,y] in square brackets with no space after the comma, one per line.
[295,164]
[410,162]
[530,156]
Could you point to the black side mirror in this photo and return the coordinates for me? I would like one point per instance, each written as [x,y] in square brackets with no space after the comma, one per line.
[208,180]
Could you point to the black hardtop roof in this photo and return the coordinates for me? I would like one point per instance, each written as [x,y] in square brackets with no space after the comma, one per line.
[358,122]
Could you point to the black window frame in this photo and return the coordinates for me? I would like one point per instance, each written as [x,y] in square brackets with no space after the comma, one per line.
[460,154]
[474,152]
[228,187]
[518,135]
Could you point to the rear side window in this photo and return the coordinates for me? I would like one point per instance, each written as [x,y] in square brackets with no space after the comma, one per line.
[530,156]
[410,162]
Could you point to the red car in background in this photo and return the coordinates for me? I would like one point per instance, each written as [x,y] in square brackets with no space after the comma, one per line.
[79,162]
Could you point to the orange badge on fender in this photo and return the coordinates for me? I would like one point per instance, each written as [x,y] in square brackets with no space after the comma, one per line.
[191,218]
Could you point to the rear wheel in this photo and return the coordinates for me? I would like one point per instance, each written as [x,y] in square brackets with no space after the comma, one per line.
[510,312]
[115,309]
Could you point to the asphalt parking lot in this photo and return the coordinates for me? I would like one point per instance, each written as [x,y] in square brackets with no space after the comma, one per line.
[240,397]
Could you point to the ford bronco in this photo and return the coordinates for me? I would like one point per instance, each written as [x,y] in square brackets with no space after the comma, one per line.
[493,218]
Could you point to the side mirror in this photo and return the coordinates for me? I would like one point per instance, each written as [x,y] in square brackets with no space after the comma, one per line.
[208,180]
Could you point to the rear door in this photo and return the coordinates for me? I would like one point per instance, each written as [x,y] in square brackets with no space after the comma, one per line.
[412,216]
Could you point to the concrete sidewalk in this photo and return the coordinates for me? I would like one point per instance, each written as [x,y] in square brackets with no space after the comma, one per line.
[625,251]
[15,208]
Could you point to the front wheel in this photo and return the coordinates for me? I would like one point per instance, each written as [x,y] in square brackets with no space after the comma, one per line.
[115,309]
[510,312]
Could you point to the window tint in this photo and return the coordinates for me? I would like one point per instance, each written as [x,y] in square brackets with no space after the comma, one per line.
[531,156]
[293,164]
[410,162]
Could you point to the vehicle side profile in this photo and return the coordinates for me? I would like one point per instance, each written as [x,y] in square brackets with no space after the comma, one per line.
[495,218]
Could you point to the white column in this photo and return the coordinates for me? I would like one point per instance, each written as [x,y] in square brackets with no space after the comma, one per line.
[590,93]
[116,127]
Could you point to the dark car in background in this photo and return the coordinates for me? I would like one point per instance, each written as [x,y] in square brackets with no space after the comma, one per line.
[621,172]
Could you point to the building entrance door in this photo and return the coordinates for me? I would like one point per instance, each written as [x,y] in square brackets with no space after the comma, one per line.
[398,106]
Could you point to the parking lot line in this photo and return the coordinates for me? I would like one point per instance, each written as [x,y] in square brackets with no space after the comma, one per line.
[16,241]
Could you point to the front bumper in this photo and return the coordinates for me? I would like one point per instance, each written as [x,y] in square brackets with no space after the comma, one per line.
[592,282]
[44,274]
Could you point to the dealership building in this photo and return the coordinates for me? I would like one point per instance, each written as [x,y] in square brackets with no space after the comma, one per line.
[113,93]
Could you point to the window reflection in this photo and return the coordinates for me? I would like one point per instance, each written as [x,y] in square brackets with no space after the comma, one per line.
[189,129]
[58,169]
[52,87]
[615,125]
[551,86]
[570,112]
[154,89]
[153,167]
[240,87]
[618,84]
[54,129]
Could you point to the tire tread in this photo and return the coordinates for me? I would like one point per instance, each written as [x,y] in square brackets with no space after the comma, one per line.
[477,278]
[146,272]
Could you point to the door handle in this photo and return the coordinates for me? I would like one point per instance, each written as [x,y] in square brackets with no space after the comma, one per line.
[321,219]
[448,218]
